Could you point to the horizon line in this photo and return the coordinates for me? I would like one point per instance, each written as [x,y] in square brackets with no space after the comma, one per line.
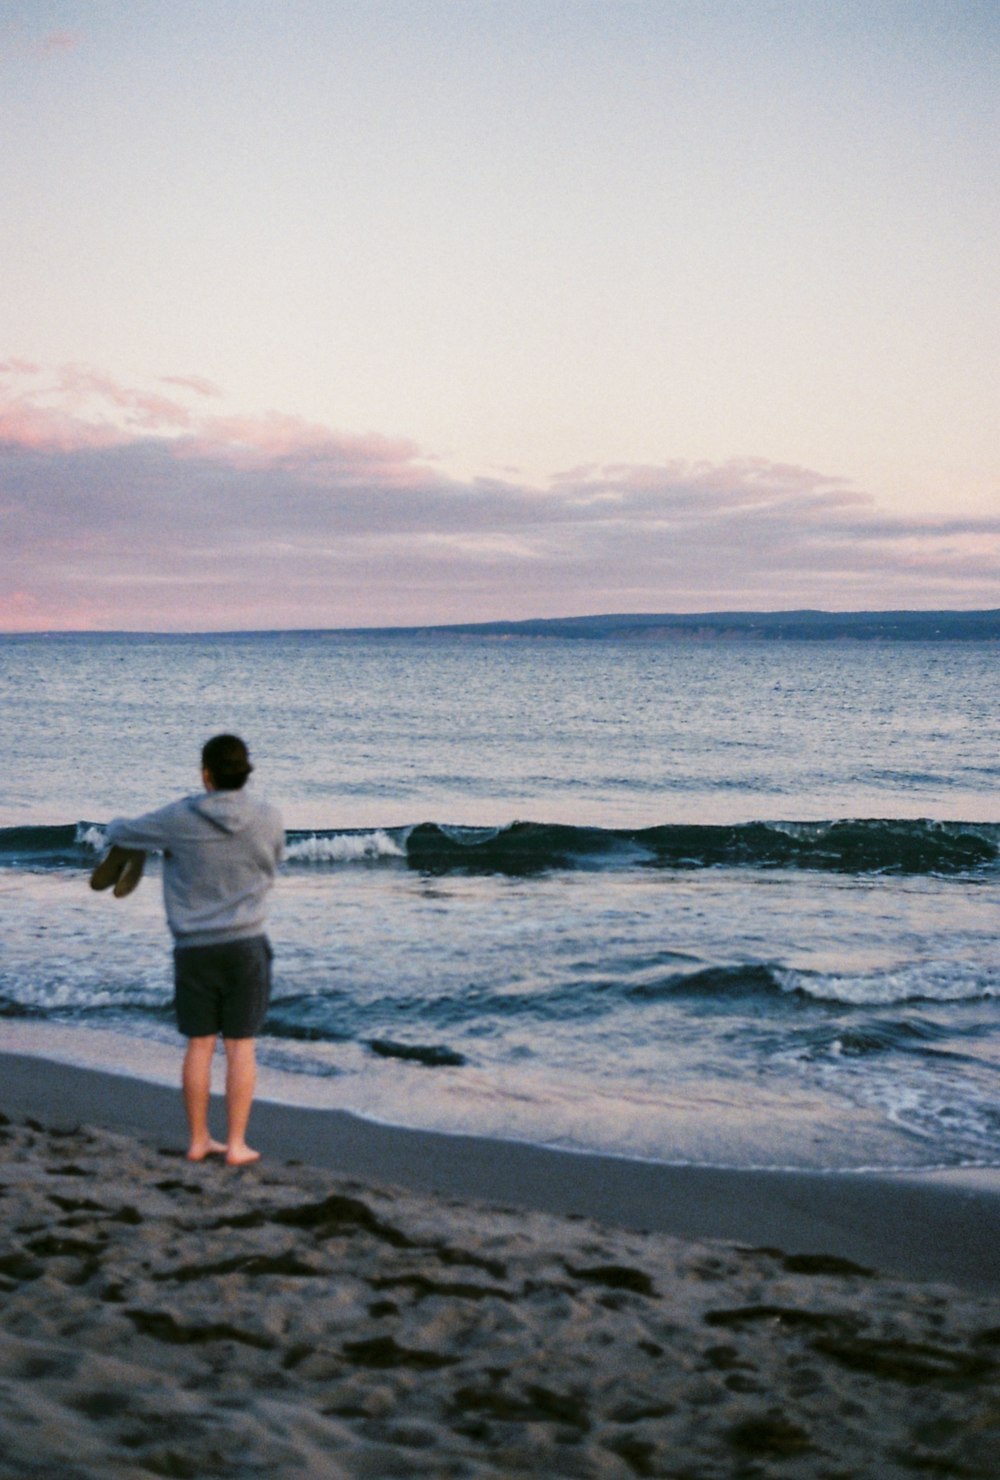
[737,616]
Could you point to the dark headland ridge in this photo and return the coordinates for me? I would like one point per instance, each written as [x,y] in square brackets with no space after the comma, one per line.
[790,626]
[808,626]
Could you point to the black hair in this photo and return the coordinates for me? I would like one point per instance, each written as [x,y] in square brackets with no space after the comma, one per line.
[225,759]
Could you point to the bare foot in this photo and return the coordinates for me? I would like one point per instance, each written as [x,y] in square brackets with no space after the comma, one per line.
[198,1150]
[241,1156]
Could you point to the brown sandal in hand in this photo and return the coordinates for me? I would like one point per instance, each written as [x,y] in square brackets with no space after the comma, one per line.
[121,867]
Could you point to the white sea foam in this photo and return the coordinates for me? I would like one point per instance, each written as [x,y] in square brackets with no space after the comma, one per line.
[919,981]
[339,848]
[345,848]
[940,1103]
[65,988]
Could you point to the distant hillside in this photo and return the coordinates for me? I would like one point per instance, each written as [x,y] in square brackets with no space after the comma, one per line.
[800,626]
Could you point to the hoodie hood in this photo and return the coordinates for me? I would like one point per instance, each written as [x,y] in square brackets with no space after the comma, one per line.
[231,812]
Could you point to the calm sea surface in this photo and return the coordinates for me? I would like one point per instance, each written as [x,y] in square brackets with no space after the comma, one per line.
[731,903]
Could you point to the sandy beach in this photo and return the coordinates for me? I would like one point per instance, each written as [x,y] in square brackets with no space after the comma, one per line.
[301,1319]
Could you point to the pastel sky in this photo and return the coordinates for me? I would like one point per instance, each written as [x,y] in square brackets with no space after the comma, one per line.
[367,312]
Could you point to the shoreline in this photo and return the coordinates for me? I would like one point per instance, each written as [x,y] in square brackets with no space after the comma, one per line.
[928,1226]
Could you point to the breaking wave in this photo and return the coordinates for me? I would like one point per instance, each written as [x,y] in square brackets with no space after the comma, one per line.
[862,846]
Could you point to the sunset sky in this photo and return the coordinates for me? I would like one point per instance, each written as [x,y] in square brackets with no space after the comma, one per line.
[367,312]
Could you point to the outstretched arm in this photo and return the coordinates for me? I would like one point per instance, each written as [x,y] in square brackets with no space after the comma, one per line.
[151,832]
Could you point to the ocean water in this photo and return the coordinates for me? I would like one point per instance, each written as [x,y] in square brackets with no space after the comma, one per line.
[731,903]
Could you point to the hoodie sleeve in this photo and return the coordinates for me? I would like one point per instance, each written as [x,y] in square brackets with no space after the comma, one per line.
[153,831]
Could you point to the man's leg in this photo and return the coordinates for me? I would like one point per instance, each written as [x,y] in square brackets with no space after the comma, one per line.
[241,1080]
[196,1079]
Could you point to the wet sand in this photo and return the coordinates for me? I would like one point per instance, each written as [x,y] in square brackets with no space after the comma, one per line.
[402,1304]
[935,1226]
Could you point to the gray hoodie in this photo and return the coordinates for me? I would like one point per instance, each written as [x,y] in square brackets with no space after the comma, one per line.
[221,850]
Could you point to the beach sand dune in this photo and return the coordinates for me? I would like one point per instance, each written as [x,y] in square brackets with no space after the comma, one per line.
[164,1319]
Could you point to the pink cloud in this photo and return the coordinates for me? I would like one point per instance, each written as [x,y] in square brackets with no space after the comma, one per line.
[85,407]
[47,428]
[145,409]
[196,383]
[277,438]
[737,484]
[19,40]
[60,41]
[19,367]
[167,517]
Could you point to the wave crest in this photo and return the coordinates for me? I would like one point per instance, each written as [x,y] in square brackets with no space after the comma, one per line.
[860,846]
[350,847]
[845,846]
[919,981]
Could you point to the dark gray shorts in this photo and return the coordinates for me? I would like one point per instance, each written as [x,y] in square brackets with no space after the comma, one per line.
[222,989]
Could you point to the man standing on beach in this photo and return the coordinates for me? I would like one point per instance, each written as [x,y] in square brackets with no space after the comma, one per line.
[221,850]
